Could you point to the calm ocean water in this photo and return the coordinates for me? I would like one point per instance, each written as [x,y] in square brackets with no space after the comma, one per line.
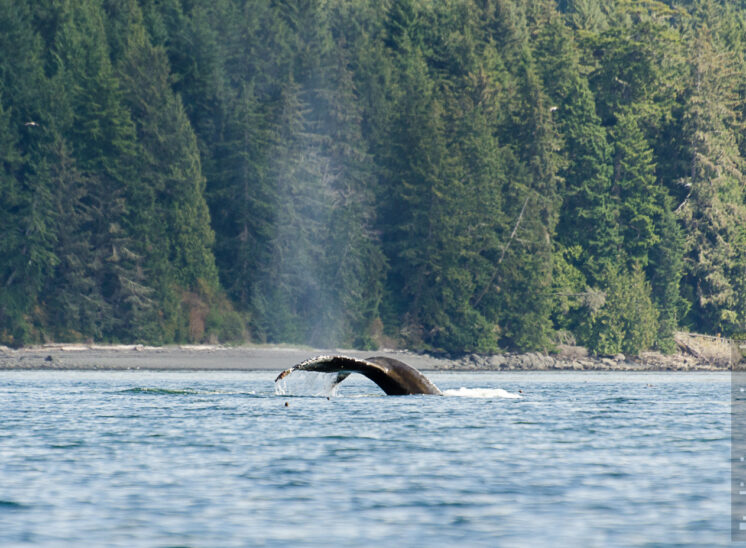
[216,459]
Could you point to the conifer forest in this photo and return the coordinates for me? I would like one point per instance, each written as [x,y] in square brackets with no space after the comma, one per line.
[442,175]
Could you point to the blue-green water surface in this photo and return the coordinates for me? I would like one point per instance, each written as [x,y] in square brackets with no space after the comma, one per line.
[139,458]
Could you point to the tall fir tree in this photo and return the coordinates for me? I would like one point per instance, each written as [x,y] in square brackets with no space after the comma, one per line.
[103,142]
[714,211]
[171,207]
[587,240]
[27,251]
[531,195]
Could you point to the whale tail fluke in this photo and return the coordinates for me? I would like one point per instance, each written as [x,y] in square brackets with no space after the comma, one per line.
[394,377]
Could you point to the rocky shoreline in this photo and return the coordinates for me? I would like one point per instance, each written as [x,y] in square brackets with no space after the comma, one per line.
[534,361]
[274,358]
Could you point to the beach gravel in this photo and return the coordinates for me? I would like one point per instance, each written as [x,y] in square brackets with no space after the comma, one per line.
[277,358]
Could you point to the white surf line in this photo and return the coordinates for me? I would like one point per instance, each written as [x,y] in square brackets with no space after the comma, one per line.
[464,392]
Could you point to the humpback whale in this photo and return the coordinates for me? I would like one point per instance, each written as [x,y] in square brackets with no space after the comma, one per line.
[394,377]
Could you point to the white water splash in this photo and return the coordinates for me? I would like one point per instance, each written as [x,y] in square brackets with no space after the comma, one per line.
[307,383]
[481,393]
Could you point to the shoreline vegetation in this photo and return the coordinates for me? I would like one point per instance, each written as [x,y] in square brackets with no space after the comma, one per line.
[448,177]
[696,353]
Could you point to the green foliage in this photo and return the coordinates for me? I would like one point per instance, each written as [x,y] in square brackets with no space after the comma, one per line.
[569,290]
[448,176]
[715,207]
[628,320]
[635,188]
[665,269]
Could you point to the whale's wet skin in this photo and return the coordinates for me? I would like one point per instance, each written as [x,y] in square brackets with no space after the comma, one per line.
[394,377]
[216,459]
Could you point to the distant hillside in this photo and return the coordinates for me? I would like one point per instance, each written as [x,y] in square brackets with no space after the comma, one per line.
[451,176]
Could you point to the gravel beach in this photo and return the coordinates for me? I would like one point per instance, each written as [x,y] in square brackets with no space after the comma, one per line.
[277,358]
[187,357]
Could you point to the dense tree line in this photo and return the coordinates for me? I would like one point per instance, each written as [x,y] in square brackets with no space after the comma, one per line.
[455,175]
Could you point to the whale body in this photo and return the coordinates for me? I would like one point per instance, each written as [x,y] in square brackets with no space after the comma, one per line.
[394,377]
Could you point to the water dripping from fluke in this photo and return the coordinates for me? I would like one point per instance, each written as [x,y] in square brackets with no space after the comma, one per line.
[307,383]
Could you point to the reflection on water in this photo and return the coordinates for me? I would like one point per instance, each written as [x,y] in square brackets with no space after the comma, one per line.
[218,459]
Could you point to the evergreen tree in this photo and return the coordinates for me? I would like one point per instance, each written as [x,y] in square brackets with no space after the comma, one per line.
[716,207]
[242,194]
[635,188]
[627,322]
[531,197]
[13,305]
[75,305]
[27,254]
[666,269]
[103,143]
[588,240]
[421,190]
[171,209]
[587,15]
